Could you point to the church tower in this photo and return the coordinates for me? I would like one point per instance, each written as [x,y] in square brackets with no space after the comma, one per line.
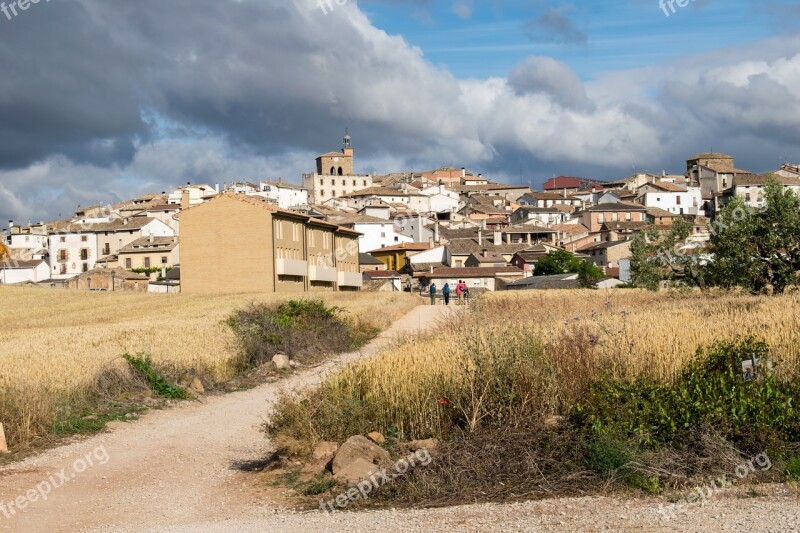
[347,144]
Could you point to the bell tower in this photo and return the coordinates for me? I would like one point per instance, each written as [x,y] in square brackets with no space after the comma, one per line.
[347,144]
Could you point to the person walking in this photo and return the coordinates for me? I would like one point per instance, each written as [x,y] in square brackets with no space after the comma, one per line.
[460,292]
[446,293]
[432,291]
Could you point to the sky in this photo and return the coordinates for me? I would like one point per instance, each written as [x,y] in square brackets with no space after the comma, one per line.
[102,100]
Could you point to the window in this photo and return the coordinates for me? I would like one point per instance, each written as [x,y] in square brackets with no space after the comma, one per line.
[321,181]
[83,238]
[147,262]
[333,171]
[340,171]
[354,183]
[344,183]
[164,259]
[85,267]
[63,268]
[628,217]
[747,196]
[84,254]
[107,248]
[63,239]
[601,218]
[365,183]
[678,199]
[62,255]
[128,264]
[321,194]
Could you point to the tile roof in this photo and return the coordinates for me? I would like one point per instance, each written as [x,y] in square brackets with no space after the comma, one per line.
[603,245]
[617,206]
[572,229]
[624,225]
[366,259]
[660,213]
[469,246]
[666,186]
[406,246]
[469,272]
[378,274]
[710,155]
[378,191]
[158,244]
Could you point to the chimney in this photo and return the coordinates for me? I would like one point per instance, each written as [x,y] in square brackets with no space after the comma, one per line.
[216,188]
[152,238]
[186,202]
[463,172]
[498,237]
[224,186]
[485,252]
[436,232]
[480,237]
[430,243]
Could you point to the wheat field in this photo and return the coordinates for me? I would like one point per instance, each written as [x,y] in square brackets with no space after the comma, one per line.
[56,346]
[534,352]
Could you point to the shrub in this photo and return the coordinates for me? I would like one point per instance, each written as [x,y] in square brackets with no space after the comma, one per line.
[305,329]
[793,469]
[709,392]
[161,387]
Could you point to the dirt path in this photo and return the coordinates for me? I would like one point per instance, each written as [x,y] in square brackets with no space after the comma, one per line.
[171,467]
[171,471]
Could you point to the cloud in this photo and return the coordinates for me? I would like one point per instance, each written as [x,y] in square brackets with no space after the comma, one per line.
[554,25]
[150,95]
[556,80]
[462,10]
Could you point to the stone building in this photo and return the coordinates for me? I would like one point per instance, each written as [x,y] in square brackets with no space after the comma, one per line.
[335,175]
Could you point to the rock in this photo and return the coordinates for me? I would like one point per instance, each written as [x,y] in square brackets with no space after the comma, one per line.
[197,386]
[358,470]
[281,361]
[325,450]
[427,444]
[359,457]
[3,442]
[553,421]
[376,437]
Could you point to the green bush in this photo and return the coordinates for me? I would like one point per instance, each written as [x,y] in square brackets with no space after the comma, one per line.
[161,387]
[793,469]
[710,392]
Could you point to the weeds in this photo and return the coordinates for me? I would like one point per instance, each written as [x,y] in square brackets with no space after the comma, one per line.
[161,387]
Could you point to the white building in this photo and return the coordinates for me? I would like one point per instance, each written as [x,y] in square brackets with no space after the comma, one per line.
[23,271]
[442,199]
[193,194]
[676,199]
[75,248]
[375,232]
[285,195]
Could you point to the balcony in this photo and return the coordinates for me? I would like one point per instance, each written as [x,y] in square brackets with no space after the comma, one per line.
[321,273]
[291,267]
[350,279]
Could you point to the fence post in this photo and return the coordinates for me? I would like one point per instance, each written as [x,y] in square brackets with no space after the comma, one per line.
[3,442]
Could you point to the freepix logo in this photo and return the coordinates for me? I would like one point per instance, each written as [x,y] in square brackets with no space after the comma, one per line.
[13,9]
[668,6]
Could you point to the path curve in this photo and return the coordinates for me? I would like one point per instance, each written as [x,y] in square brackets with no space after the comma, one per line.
[170,467]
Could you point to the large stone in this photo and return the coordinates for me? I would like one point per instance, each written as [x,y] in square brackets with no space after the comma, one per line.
[358,470]
[427,444]
[3,442]
[376,437]
[324,451]
[281,361]
[197,386]
[355,457]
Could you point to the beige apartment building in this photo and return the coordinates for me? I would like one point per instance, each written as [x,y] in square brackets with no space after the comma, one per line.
[235,244]
[149,253]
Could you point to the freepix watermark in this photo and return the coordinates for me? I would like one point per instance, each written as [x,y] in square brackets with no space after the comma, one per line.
[326,6]
[363,489]
[668,6]
[13,9]
[9,509]
[700,495]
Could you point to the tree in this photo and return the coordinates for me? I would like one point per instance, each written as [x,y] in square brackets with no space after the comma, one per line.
[555,262]
[563,262]
[658,255]
[757,249]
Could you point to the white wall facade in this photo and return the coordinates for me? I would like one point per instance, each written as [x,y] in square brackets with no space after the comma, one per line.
[375,235]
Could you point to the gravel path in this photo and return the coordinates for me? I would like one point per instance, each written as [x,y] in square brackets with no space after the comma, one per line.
[171,471]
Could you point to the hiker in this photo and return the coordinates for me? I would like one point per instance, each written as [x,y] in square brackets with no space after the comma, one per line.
[433,293]
[446,293]
[460,291]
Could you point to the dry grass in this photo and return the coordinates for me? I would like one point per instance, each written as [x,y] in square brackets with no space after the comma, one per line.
[531,355]
[60,347]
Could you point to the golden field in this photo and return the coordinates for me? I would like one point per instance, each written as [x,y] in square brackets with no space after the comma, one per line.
[58,347]
[535,353]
